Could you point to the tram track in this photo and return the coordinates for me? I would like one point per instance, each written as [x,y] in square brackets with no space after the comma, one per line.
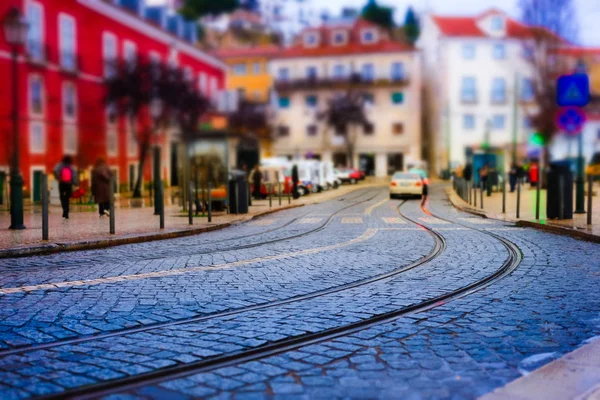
[129,383]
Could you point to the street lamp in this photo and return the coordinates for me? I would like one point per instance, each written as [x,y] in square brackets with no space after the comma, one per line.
[156,110]
[15,32]
[486,144]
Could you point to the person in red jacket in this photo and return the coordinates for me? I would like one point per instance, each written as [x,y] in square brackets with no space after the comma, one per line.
[534,174]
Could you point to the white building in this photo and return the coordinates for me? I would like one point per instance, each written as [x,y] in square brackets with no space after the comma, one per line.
[289,17]
[472,66]
[334,59]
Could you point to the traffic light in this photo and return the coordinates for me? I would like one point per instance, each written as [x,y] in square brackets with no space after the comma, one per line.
[537,139]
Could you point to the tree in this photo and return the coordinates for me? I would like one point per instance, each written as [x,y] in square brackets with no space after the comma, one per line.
[412,28]
[550,21]
[380,15]
[194,9]
[134,91]
[251,5]
[345,115]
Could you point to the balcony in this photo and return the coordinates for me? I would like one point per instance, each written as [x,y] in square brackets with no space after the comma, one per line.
[336,83]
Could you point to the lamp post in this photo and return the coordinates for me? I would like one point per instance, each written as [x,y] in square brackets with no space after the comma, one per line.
[15,32]
[156,110]
[488,128]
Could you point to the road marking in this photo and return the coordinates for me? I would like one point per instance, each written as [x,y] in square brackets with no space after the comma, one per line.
[310,220]
[477,221]
[352,220]
[366,235]
[264,222]
[394,220]
[369,210]
[434,221]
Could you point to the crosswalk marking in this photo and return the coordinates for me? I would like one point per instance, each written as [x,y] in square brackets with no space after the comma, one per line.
[434,221]
[310,220]
[477,221]
[351,220]
[394,220]
[264,222]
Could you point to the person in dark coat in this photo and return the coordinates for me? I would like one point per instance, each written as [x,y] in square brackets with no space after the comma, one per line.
[468,172]
[295,179]
[257,182]
[512,177]
[101,186]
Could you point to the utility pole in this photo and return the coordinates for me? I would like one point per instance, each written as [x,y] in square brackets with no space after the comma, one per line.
[515,119]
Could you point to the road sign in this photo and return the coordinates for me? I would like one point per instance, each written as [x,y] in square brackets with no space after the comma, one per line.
[571,120]
[573,90]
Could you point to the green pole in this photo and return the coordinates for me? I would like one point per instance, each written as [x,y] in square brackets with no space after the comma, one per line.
[16,180]
[580,182]
[515,119]
[448,139]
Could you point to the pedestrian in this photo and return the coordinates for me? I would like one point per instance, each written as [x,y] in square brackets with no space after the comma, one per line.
[101,186]
[257,182]
[534,174]
[468,172]
[512,176]
[295,179]
[65,174]
[483,176]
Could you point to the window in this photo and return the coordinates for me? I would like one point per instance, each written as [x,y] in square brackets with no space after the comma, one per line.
[257,68]
[468,122]
[283,130]
[468,90]
[498,90]
[284,102]
[311,130]
[398,71]
[527,90]
[367,72]
[339,71]
[468,51]
[132,146]
[67,42]
[70,139]
[35,34]
[130,52]
[203,83]
[69,101]
[109,52]
[397,98]
[37,138]
[283,74]
[498,121]
[312,101]
[339,38]
[112,143]
[311,72]
[369,36]
[240,69]
[369,128]
[397,128]
[497,23]
[499,51]
[311,39]
[36,99]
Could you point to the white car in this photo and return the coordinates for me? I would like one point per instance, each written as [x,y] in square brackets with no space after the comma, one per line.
[406,184]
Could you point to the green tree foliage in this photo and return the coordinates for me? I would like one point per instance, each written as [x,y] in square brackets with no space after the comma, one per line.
[380,15]
[412,28]
[251,5]
[193,9]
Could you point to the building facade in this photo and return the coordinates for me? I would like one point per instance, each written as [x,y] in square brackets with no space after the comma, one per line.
[71,48]
[478,88]
[289,17]
[358,57]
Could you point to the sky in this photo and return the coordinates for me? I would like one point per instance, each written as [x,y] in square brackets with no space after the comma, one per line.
[588,11]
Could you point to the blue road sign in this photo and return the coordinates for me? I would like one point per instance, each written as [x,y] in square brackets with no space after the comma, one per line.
[573,90]
[571,120]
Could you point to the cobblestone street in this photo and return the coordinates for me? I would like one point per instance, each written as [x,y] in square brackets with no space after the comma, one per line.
[360,297]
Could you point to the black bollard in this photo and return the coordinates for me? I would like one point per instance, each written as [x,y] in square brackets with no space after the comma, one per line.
[111,204]
[589,205]
[518,198]
[190,205]
[209,202]
[161,190]
[44,207]
[504,194]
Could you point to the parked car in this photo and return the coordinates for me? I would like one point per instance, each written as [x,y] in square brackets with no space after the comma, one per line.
[406,184]
[347,175]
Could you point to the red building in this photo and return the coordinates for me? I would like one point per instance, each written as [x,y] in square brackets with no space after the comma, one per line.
[61,75]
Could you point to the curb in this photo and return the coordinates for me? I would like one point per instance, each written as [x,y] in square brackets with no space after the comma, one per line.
[557,230]
[52,248]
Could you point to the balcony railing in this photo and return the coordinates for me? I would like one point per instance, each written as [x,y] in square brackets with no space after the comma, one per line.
[355,81]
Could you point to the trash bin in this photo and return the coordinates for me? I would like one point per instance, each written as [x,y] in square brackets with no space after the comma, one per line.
[560,171]
[237,185]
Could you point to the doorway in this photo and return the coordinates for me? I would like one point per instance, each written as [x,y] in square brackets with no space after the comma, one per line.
[395,162]
[366,163]
[37,186]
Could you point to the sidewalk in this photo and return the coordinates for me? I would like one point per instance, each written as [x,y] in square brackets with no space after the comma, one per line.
[576,227]
[86,230]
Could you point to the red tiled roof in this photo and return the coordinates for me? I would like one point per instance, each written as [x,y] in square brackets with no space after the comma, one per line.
[260,51]
[580,51]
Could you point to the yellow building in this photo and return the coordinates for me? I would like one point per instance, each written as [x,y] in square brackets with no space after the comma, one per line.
[249,71]
[590,57]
